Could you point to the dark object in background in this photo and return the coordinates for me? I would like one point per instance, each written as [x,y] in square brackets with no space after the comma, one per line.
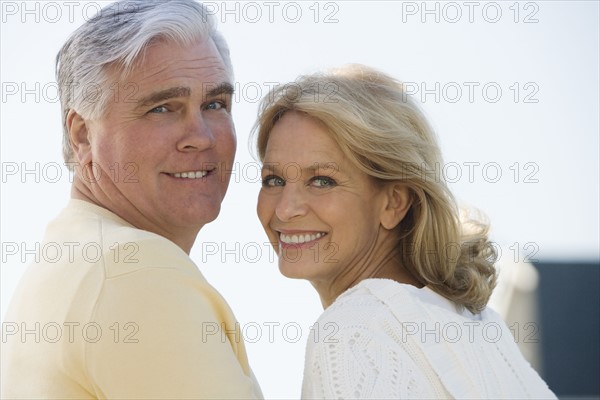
[569,314]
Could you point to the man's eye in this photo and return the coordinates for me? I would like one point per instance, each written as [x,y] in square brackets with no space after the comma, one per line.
[215,105]
[323,182]
[272,181]
[159,109]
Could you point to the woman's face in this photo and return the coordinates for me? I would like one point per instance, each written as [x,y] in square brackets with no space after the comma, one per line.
[320,212]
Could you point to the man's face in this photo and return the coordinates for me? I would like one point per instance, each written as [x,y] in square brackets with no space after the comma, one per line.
[162,151]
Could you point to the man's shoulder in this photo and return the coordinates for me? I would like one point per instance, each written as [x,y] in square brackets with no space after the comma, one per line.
[101,237]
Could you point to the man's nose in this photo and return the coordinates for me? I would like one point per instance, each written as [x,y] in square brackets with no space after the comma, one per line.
[198,135]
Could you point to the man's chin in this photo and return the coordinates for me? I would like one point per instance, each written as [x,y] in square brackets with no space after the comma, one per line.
[201,218]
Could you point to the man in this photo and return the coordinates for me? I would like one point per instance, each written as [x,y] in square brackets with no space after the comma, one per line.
[146,92]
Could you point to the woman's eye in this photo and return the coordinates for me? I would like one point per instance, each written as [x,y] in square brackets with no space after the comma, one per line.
[159,109]
[323,182]
[272,181]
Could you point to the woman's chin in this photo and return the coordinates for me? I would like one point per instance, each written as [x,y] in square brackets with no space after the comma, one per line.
[293,270]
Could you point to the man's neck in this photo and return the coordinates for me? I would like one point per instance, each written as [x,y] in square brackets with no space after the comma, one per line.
[185,240]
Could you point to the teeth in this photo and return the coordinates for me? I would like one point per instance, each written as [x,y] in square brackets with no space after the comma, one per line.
[299,239]
[190,175]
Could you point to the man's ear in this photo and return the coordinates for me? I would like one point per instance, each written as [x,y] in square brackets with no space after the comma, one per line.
[398,202]
[79,137]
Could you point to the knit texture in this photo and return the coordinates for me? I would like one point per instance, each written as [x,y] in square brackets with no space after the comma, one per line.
[386,340]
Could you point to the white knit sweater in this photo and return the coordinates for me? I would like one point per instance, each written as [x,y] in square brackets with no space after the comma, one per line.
[386,340]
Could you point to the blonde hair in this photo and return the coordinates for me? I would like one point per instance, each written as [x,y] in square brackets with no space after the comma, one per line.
[382,131]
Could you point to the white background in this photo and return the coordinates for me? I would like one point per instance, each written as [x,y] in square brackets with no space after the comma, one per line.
[545,207]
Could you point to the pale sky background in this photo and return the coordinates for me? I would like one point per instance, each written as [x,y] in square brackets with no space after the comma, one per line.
[532,116]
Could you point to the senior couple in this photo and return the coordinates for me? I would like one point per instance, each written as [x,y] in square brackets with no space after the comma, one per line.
[364,150]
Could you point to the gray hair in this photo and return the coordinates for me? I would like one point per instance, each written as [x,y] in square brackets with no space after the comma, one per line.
[117,37]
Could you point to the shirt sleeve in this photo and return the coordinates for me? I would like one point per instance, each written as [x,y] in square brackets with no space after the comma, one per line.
[166,334]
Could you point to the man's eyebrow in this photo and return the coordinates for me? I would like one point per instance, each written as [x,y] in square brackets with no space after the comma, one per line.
[220,89]
[158,97]
[184,91]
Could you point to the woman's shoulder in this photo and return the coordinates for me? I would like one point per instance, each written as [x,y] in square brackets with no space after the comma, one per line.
[376,293]
[367,294]
[431,334]
[374,303]
[370,302]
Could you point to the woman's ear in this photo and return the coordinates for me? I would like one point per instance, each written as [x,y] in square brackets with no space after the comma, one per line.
[398,202]
[79,137]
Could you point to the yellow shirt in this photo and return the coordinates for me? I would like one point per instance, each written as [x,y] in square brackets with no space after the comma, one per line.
[111,311]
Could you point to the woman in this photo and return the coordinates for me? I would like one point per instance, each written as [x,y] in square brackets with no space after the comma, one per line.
[352,201]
